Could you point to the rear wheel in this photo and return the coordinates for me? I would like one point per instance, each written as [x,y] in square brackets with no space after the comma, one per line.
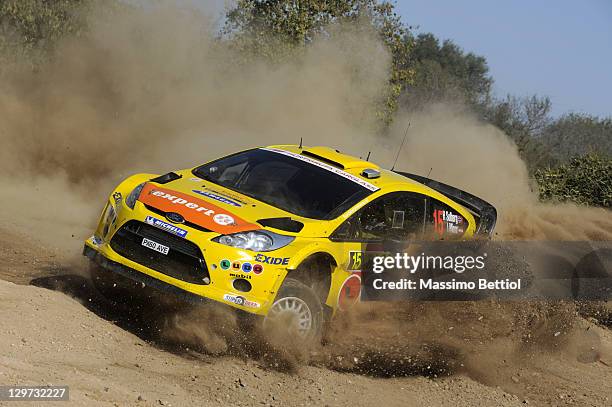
[296,311]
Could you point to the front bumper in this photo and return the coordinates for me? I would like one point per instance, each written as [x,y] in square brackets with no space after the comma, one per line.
[139,277]
[220,289]
[194,264]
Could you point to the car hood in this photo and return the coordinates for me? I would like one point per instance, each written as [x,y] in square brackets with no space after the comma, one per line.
[221,210]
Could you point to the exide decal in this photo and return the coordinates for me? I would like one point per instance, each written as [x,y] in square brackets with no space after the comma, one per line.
[194,210]
[262,258]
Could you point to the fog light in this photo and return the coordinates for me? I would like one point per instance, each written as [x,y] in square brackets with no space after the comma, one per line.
[243,285]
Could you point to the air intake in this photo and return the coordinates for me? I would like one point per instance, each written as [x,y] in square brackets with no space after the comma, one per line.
[370,173]
[323,159]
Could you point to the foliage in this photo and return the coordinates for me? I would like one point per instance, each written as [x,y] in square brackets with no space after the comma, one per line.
[578,134]
[424,70]
[30,29]
[277,29]
[584,180]
[39,22]
[524,120]
[445,72]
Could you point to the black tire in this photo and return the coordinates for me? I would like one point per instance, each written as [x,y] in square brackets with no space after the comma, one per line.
[295,294]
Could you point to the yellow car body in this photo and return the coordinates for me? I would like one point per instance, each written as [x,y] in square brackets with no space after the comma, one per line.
[211,210]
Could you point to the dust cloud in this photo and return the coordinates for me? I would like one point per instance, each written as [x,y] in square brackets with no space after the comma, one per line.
[150,90]
[479,158]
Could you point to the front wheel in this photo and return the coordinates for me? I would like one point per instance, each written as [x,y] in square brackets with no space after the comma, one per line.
[296,310]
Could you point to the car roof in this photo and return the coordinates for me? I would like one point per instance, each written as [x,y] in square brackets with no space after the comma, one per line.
[388,180]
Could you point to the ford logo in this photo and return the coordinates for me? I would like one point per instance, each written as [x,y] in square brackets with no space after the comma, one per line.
[175,217]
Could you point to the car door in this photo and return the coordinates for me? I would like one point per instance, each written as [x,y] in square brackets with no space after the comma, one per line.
[396,216]
[388,224]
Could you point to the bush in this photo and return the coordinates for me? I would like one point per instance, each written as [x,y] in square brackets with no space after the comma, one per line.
[585,180]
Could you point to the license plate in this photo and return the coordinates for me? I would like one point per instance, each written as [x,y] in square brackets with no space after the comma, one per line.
[150,244]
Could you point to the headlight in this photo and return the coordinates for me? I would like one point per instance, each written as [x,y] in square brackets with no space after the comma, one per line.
[109,217]
[258,241]
[130,201]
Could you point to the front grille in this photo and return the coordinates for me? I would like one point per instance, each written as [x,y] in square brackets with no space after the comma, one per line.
[184,260]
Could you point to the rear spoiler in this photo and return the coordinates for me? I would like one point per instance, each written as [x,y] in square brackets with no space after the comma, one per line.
[485,213]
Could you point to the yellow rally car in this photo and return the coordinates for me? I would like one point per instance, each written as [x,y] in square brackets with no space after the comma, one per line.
[272,231]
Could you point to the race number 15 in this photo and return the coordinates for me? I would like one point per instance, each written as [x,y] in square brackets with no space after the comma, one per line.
[355,261]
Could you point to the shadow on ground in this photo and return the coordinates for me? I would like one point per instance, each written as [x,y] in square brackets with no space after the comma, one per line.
[142,317]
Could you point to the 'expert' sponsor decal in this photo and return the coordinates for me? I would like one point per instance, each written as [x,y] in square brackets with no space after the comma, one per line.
[158,223]
[194,210]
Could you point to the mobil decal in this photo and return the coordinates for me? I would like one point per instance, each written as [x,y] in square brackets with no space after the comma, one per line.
[194,210]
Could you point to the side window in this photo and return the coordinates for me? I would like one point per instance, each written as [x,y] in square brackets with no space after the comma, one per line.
[397,216]
[443,222]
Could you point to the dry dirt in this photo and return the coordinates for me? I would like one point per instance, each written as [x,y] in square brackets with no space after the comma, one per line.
[56,330]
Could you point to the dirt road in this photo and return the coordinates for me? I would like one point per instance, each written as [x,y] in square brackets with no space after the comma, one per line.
[56,330]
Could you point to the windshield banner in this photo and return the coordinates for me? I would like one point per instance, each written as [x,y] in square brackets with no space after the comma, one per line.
[327,167]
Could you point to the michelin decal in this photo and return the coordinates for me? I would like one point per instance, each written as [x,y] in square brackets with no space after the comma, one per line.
[165,226]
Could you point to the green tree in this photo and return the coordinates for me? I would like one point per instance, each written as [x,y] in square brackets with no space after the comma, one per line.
[584,180]
[445,72]
[578,134]
[39,22]
[29,29]
[277,29]
[524,120]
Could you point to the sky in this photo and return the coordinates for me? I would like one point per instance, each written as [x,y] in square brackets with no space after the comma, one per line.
[556,48]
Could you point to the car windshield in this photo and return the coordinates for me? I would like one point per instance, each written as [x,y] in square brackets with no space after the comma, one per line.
[288,183]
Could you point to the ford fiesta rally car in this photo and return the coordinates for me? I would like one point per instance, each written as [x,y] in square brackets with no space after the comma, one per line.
[272,231]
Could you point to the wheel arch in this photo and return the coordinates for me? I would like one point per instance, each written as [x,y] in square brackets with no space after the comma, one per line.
[315,270]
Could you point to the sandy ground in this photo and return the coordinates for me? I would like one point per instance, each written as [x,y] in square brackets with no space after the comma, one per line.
[66,334]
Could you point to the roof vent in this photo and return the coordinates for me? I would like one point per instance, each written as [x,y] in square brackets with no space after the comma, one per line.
[370,173]
[324,159]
